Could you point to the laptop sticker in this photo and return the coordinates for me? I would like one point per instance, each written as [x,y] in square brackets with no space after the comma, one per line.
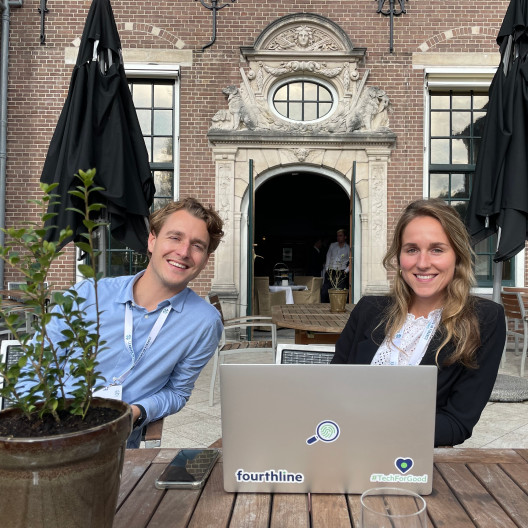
[326,431]
[403,464]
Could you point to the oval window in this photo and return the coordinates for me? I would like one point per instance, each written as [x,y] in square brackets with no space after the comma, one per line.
[303,100]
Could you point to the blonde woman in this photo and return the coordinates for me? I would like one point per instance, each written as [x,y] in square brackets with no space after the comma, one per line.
[431,318]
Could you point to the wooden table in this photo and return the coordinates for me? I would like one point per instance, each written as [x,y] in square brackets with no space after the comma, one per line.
[487,488]
[313,323]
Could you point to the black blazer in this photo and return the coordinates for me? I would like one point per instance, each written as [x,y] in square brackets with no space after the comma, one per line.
[462,393]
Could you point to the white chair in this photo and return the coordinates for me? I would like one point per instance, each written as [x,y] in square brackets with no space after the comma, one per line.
[227,347]
[515,308]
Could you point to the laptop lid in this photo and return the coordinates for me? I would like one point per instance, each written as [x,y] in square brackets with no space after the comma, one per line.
[327,428]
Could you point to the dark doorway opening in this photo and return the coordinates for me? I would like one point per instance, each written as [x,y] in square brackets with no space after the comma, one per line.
[291,212]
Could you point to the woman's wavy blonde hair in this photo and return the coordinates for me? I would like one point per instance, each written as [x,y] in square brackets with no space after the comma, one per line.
[459,321]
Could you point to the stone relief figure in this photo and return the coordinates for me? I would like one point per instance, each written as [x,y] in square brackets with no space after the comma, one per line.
[371,112]
[241,114]
[304,38]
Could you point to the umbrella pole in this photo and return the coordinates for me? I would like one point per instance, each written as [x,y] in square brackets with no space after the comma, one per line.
[497,274]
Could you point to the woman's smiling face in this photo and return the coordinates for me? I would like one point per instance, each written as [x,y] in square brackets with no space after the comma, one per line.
[427,263]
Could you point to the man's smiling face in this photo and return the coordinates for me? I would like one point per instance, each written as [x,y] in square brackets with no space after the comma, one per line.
[179,251]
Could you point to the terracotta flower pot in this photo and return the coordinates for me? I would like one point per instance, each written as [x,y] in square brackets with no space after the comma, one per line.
[338,299]
[65,480]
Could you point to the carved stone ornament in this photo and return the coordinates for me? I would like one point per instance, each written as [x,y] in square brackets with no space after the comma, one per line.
[311,48]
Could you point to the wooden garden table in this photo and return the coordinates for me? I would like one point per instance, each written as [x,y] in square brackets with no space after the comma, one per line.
[471,487]
[313,323]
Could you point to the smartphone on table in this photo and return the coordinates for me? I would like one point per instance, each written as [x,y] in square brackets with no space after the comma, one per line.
[188,469]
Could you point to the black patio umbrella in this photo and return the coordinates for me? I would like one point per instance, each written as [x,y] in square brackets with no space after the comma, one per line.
[499,199]
[98,127]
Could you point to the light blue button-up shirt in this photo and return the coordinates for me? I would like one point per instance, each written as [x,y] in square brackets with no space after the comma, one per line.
[163,378]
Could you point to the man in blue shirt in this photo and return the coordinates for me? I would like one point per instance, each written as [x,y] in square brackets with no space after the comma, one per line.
[159,334]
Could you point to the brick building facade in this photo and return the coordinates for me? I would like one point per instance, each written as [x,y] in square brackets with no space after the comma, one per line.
[443,59]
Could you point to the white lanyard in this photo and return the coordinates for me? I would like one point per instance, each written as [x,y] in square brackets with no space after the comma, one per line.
[148,343]
[420,348]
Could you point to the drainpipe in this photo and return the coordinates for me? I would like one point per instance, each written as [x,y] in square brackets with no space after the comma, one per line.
[4,58]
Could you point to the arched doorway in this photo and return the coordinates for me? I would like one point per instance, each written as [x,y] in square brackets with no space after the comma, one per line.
[291,212]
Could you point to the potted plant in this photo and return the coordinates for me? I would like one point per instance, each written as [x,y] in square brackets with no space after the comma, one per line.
[337,293]
[61,455]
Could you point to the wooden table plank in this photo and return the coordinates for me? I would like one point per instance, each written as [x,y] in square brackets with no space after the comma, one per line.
[443,508]
[289,510]
[310,317]
[330,510]
[354,505]
[523,453]
[482,509]
[518,473]
[251,510]
[175,509]
[504,490]
[141,504]
[486,456]
[136,463]
[215,505]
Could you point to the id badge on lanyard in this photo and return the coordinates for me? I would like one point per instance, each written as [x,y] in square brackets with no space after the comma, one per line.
[116,387]
[420,348]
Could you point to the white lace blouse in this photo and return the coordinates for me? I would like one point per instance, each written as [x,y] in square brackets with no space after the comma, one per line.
[411,331]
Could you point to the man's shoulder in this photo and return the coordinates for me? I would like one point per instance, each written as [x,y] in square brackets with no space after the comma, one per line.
[195,303]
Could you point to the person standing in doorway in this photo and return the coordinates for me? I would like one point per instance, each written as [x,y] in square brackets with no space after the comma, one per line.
[337,259]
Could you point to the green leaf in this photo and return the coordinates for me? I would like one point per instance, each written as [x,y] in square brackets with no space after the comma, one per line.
[86,270]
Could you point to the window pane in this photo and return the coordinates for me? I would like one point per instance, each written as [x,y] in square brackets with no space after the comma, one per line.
[324,94]
[480,101]
[439,102]
[440,124]
[459,186]
[148,144]
[460,151]
[295,91]
[461,122]
[142,95]
[439,186]
[461,101]
[161,202]
[310,111]
[324,108]
[461,208]
[296,111]
[482,267]
[163,95]
[310,91]
[162,122]
[440,151]
[282,108]
[144,117]
[281,94]
[164,183]
[162,150]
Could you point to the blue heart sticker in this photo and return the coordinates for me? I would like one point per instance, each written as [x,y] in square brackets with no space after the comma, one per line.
[404,464]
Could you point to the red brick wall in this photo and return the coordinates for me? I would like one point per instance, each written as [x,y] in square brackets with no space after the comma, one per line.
[38,78]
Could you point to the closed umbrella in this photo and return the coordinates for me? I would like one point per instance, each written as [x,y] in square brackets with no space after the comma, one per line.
[499,199]
[98,127]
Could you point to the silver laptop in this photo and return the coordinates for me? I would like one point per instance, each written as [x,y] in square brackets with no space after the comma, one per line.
[327,428]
